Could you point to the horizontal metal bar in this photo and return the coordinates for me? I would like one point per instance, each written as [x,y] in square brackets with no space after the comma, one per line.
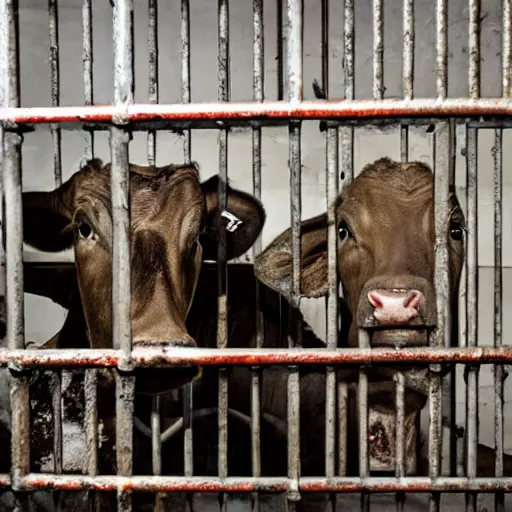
[178,356]
[250,110]
[270,484]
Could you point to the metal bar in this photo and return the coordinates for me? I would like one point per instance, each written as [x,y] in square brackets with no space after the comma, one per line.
[222,308]
[408,70]
[325,47]
[279,47]
[474,49]
[35,481]
[56,391]
[498,308]
[148,357]
[11,178]
[258,95]
[53,59]
[362,397]
[441,49]
[441,335]
[121,289]
[315,109]
[332,302]
[185,71]
[472,304]
[400,435]
[188,438]
[378,50]
[87,56]
[156,446]
[91,429]
[153,71]
[294,94]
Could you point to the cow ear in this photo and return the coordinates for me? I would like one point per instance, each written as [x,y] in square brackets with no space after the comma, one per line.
[242,219]
[273,266]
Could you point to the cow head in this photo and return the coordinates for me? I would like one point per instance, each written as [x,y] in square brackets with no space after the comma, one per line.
[385,223]
[174,225]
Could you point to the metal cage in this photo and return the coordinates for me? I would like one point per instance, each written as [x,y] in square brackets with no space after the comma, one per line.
[340,119]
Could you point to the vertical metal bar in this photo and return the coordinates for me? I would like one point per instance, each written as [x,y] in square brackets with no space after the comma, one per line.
[498,308]
[222,318]
[87,56]
[11,170]
[294,93]
[347,132]
[53,59]
[258,95]
[332,303]
[400,436]
[472,300]
[91,429]
[499,377]
[472,340]
[156,448]
[408,70]
[378,50]
[153,71]
[279,48]
[441,49]
[441,336]
[185,71]
[325,47]
[121,289]
[56,391]
[362,395]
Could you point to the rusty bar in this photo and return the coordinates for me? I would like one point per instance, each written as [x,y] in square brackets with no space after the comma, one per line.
[294,92]
[441,335]
[378,50]
[472,306]
[11,177]
[408,70]
[506,58]
[188,438]
[185,70]
[325,47]
[258,95]
[342,427]
[362,398]
[400,435]
[222,277]
[441,49]
[121,296]
[36,481]
[91,430]
[332,302]
[53,59]
[87,56]
[148,357]
[498,308]
[56,391]
[280,37]
[248,111]
[474,49]
[153,71]
[347,132]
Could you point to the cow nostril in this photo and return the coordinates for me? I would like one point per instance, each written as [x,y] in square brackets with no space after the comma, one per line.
[374,299]
[414,300]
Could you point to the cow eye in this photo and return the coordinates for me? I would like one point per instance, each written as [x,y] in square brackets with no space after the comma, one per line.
[456,230]
[343,231]
[84,230]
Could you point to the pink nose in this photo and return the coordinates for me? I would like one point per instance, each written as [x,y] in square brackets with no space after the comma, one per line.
[395,307]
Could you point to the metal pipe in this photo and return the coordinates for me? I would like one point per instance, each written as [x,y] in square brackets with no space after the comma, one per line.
[362,398]
[91,429]
[474,49]
[87,57]
[378,50]
[400,435]
[248,111]
[35,481]
[325,47]
[258,95]
[222,277]
[441,49]
[53,59]
[332,302]
[11,180]
[153,71]
[185,71]
[121,289]
[408,70]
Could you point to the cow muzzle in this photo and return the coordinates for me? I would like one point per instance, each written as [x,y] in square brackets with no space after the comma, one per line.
[157,381]
[397,310]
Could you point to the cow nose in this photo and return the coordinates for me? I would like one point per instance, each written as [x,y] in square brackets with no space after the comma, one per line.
[395,307]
